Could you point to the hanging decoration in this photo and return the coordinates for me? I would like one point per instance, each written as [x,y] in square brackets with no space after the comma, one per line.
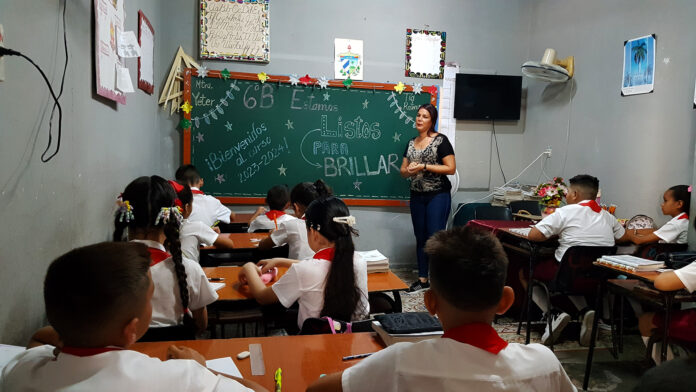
[425,53]
[171,90]
[306,80]
[225,74]
[262,77]
[417,88]
[399,88]
[294,80]
[184,123]
[323,82]
[186,107]
[348,82]
[217,109]
[202,72]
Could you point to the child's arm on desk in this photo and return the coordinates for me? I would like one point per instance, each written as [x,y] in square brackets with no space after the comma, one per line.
[266,243]
[641,236]
[268,264]
[328,383]
[258,212]
[668,281]
[251,275]
[536,235]
[224,241]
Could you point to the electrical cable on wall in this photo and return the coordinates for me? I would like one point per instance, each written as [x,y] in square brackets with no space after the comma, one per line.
[498,152]
[56,103]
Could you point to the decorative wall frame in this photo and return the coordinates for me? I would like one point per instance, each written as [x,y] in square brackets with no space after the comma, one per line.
[235,30]
[146,62]
[425,53]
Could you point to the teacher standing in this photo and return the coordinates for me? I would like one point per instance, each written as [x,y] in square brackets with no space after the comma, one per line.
[428,159]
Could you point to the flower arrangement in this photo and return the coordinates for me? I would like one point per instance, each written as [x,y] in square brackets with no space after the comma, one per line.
[552,193]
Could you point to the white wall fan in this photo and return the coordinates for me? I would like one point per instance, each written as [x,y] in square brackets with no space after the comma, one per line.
[549,69]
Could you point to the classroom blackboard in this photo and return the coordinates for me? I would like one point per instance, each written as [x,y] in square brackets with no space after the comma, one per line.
[245,136]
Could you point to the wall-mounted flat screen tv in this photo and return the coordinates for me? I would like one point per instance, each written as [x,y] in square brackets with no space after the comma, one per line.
[487,97]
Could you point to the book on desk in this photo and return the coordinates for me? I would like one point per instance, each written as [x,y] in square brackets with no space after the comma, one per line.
[631,263]
[375,260]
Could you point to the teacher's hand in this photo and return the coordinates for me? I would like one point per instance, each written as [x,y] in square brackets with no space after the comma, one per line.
[415,167]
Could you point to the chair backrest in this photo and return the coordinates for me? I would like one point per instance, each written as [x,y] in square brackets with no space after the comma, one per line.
[465,213]
[531,206]
[576,274]
[492,213]
[650,251]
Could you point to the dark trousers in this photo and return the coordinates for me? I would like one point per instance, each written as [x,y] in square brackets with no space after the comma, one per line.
[429,215]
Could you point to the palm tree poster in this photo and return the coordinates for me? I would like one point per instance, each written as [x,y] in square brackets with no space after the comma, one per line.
[639,66]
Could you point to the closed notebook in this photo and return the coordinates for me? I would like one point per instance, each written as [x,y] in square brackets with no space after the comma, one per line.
[412,322]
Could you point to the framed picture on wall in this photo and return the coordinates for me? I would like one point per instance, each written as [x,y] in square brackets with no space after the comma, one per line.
[639,66]
[146,61]
[425,53]
[234,30]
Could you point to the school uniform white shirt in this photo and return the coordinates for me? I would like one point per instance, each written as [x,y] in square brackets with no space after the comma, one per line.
[675,230]
[208,209]
[294,233]
[304,282]
[580,225]
[688,276]
[445,364]
[166,300]
[38,369]
[263,222]
[192,234]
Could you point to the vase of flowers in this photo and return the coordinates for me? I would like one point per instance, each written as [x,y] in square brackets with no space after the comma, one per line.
[552,194]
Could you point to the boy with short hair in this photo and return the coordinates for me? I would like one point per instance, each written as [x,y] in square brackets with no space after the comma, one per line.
[206,208]
[99,301]
[580,223]
[277,199]
[468,268]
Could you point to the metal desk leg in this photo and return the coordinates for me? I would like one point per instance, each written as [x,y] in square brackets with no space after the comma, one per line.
[530,288]
[593,341]
[398,307]
[668,296]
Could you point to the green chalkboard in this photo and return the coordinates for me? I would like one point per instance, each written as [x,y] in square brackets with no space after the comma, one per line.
[245,136]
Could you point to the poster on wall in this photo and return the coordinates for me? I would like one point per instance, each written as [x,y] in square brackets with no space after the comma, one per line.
[639,66]
[425,53]
[146,61]
[348,59]
[108,16]
[235,30]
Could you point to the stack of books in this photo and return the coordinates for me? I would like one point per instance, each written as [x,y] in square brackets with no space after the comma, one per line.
[406,327]
[631,263]
[376,261]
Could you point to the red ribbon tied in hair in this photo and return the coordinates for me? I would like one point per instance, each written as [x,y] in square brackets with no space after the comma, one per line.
[177,188]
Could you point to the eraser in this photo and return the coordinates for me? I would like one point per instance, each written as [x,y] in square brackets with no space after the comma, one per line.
[243,355]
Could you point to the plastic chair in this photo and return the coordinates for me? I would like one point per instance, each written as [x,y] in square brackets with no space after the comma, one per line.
[465,213]
[575,276]
[492,213]
[320,326]
[531,206]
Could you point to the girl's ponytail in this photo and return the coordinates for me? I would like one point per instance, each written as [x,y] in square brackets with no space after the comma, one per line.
[172,242]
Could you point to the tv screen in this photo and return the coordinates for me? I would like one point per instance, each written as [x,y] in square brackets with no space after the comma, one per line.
[487,97]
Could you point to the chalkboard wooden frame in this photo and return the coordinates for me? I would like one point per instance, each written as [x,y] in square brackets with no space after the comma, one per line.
[188,73]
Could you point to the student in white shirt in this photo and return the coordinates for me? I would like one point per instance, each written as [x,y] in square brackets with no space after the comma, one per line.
[676,202]
[193,234]
[94,324]
[468,268]
[277,199]
[148,214]
[294,232]
[682,323]
[333,283]
[206,208]
[580,223]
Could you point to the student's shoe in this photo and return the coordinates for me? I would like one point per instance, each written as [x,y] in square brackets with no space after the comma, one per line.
[558,323]
[586,328]
[418,286]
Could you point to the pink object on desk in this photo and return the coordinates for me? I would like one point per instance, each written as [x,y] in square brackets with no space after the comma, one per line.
[269,276]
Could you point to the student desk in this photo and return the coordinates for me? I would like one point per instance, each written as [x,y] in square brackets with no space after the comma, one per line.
[627,287]
[240,223]
[233,291]
[302,358]
[242,241]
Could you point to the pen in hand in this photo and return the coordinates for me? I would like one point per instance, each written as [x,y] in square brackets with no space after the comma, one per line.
[357,356]
[216,279]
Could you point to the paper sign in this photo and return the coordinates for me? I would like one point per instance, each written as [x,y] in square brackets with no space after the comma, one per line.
[348,59]
[224,365]
[128,45]
[123,80]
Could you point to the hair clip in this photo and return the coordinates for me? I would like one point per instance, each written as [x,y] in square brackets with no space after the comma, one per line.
[166,212]
[125,211]
[348,220]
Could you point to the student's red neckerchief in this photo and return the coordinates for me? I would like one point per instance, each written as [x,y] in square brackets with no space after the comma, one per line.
[479,335]
[274,214]
[683,215]
[157,256]
[593,205]
[87,351]
[197,192]
[325,254]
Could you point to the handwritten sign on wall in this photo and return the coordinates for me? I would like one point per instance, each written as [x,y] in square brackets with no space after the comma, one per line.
[235,30]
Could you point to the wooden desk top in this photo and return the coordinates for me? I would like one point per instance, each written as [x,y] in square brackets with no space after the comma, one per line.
[242,218]
[233,291]
[648,277]
[302,358]
[241,240]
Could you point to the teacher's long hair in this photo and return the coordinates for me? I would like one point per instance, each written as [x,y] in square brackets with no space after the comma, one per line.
[341,293]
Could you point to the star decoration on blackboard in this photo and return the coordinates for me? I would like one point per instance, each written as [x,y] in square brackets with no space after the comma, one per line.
[289,125]
[202,72]
[365,103]
[323,82]
[220,178]
[225,74]
[282,170]
[199,137]
[396,137]
[186,107]
[262,77]
[400,87]
[357,184]
[327,96]
[348,82]
[432,90]
[184,123]
[306,79]
[228,125]
[417,88]
[294,80]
